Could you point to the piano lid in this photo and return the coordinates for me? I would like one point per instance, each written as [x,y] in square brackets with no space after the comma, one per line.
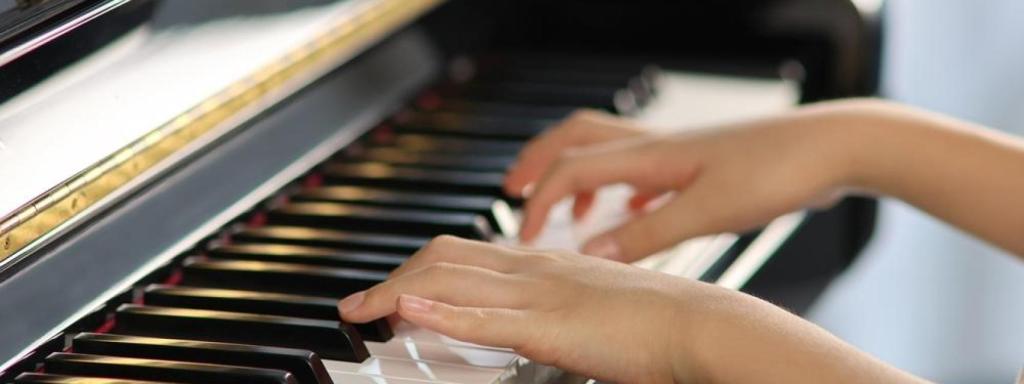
[106,124]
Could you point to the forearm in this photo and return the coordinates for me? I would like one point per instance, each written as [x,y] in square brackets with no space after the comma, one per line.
[747,340]
[969,176]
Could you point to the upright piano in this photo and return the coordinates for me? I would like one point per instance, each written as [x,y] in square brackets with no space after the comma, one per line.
[189,187]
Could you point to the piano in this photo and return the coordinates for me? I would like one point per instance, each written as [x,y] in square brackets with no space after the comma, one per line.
[189,187]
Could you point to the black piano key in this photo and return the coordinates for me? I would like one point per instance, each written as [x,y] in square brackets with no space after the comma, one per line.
[46,378]
[496,210]
[401,221]
[172,371]
[472,126]
[305,365]
[543,94]
[266,303]
[557,76]
[441,144]
[502,109]
[278,277]
[330,339]
[440,160]
[415,179]
[403,245]
[547,61]
[328,257]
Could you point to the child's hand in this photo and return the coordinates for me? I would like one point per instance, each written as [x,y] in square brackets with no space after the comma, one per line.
[607,320]
[723,179]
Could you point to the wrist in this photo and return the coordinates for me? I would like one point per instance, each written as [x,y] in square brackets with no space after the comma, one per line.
[696,327]
[855,140]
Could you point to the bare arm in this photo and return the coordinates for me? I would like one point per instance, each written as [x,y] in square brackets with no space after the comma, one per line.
[619,323]
[610,321]
[740,176]
[967,175]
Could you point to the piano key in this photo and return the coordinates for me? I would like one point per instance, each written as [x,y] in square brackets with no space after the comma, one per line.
[306,366]
[424,371]
[492,108]
[374,242]
[543,61]
[541,94]
[496,210]
[415,179]
[407,331]
[355,378]
[440,144]
[556,76]
[440,160]
[46,378]
[266,303]
[330,339]
[641,78]
[471,126]
[402,221]
[442,353]
[150,369]
[278,277]
[328,257]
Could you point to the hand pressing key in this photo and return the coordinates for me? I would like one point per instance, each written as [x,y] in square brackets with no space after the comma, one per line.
[608,320]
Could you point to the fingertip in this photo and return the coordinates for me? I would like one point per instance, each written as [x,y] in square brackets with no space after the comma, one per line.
[349,306]
[513,189]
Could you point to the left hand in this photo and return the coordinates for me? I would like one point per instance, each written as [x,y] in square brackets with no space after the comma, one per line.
[609,321]
[587,315]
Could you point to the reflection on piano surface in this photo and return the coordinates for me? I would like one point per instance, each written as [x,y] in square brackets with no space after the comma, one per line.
[227,182]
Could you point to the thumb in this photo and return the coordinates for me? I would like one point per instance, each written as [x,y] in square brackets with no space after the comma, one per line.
[493,327]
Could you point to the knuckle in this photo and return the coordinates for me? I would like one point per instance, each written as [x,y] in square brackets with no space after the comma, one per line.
[440,272]
[438,244]
[444,240]
[565,161]
[584,114]
[380,292]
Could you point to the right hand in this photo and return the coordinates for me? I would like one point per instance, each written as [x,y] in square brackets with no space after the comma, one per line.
[725,179]
[582,128]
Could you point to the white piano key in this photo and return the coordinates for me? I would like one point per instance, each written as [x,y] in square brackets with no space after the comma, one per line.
[351,378]
[441,353]
[415,370]
[411,332]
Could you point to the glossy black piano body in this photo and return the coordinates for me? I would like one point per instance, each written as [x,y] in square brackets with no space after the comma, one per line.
[235,184]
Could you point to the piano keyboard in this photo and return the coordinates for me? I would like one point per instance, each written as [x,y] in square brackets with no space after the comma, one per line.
[257,303]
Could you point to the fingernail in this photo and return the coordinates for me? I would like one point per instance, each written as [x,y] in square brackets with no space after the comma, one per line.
[527,190]
[603,247]
[352,302]
[415,304]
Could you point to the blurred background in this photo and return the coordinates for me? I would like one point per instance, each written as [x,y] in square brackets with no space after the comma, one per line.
[924,296]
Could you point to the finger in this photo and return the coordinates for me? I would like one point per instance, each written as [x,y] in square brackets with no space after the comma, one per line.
[455,250]
[451,283]
[679,219]
[495,327]
[640,199]
[535,157]
[587,170]
[584,201]
[582,128]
